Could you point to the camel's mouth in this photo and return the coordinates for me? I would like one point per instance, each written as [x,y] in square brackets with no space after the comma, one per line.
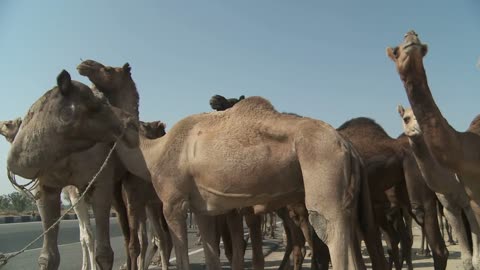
[411,40]
[88,67]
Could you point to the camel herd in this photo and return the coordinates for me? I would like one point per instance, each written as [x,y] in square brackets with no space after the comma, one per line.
[333,188]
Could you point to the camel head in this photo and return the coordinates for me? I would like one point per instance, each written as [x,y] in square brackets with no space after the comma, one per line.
[409,54]
[409,122]
[105,77]
[9,129]
[220,103]
[152,130]
[66,119]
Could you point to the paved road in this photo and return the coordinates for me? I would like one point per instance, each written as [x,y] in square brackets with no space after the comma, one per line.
[15,236]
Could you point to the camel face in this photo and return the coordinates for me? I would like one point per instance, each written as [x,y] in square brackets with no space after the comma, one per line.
[409,122]
[105,77]
[67,119]
[410,52]
[9,129]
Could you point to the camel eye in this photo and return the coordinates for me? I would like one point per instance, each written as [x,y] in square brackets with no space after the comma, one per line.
[395,52]
[406,120]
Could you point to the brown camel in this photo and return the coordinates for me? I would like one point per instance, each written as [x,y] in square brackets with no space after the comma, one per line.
[87,125]
[295,154]
[454,150]
[389,164]
[450,192]
[139,196]
[9,130]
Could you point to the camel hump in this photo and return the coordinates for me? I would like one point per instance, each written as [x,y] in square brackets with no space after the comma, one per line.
[475,125]
[253,104]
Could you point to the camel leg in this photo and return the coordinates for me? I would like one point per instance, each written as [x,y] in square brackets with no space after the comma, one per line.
[49,208]
[237,244]
[86,234]
[285,264]
[208,230]
[254,223]
[153,242]
[122,217]
[176,216]
[433,234]
[102,202]
[453,215]
[142,236]
[408,237]
[161,232]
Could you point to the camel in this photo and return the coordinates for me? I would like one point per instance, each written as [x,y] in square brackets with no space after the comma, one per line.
[389,165]
[303,157]
[321,257]
[75,156]
[9,130]
[453,150]
[257,225]
[142,202]
[119,88]
[450,192]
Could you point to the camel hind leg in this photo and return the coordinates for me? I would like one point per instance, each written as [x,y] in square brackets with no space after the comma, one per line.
[331,193]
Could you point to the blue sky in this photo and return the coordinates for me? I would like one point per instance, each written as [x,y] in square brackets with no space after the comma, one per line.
[322,59]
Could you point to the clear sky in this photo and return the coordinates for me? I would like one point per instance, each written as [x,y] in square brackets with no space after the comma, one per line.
[322,59]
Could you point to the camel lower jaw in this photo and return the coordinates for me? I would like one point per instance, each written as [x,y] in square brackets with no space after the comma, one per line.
[411,44]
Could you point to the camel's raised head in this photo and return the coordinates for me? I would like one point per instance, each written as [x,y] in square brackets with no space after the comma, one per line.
[410,52]
[220,103]
[409,122]
[105,77]
[152,130]
[66,119]
[9,129]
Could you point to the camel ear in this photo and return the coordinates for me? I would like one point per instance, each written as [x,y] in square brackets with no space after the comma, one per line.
[241,97]
[127,68]
[392,53]
[400,110]
[424,49]
[64,82]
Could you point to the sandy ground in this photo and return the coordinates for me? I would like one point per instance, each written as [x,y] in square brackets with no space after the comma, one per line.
[273,259]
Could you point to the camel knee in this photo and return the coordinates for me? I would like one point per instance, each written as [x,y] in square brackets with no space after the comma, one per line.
[104,257]
[319,224]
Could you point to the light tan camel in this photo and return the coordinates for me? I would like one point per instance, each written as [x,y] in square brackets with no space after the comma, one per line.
[83,126]
[139,196]
[450,192]
[299,214]
[454,150]
[9,130]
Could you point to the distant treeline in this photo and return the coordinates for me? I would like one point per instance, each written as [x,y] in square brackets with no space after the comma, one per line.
[16,201]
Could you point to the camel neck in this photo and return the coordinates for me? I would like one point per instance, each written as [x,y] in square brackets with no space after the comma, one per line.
[140,160]
[125,97]
[440,137]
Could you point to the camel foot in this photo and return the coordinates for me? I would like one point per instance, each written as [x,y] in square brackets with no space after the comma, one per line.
[48,261]
[452,242]
[467,264]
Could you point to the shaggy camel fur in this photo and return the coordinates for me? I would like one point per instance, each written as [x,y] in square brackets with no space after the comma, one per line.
[9,130]
[139,196]
[450,192]
[454,150]
[73,126]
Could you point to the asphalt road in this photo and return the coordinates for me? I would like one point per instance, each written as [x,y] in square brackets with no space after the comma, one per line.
[15,236]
